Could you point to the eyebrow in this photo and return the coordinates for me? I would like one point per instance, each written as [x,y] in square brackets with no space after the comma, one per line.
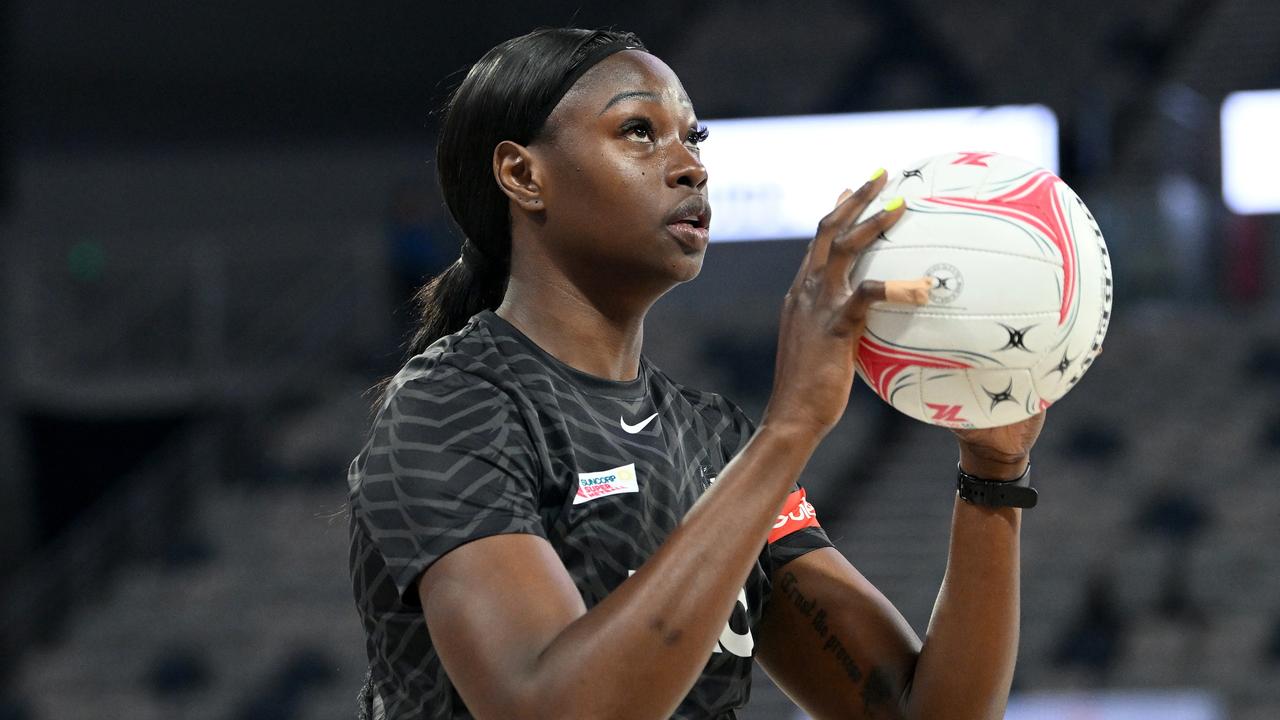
[627,95]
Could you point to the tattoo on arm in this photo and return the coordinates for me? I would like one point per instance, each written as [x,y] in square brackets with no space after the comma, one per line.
[877,690]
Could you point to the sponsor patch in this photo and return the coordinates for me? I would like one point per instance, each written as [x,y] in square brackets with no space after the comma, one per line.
[600,484]
[797,514]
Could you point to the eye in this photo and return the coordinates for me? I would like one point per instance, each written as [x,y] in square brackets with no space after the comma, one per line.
[638,130]
[698,134]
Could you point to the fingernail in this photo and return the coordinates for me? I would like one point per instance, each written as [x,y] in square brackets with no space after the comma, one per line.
[844,196]
[894,204]
[876,175]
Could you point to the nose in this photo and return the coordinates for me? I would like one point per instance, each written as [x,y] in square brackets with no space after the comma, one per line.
[684,167]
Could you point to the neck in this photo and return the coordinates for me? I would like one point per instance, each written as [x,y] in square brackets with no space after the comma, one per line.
[598,339]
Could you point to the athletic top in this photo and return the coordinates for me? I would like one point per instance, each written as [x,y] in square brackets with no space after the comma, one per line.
[486,433]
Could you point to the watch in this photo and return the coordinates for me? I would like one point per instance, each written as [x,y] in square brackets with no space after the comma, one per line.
[997,493]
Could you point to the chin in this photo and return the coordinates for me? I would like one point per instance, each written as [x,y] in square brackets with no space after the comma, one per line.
[687,267]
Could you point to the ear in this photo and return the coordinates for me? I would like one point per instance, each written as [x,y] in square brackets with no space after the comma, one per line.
[517,173]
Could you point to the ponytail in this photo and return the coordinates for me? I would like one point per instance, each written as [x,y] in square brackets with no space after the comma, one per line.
[471,284]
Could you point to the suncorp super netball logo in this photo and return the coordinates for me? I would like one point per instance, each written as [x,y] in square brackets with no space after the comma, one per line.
[594,485]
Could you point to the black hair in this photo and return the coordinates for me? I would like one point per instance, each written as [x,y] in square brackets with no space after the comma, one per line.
[506,96]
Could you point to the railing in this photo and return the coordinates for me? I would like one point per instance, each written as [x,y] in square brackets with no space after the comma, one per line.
[109,324]
[197,324]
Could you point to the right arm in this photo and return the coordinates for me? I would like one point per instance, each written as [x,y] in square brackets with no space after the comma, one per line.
[509,625]
[517,642]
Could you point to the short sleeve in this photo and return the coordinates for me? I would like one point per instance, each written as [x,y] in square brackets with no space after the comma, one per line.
[450,461]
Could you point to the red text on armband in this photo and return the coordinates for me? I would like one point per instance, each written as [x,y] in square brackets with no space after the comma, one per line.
[797,514]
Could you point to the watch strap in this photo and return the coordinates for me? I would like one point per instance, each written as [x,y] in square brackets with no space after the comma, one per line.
[997,493]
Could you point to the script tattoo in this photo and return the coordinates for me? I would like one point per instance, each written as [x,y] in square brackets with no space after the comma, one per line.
[818,621]
[877,690]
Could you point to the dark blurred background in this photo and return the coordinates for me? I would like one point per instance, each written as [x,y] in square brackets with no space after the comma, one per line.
[212,217]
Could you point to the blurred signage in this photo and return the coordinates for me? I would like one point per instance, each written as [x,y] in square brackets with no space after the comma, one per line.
[1250,152]
[776,177]
[1117,705]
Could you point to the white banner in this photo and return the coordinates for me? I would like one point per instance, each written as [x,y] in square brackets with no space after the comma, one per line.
[773,178]
[1250,152]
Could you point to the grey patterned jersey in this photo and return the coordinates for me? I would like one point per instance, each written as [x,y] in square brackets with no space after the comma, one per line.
[485,433]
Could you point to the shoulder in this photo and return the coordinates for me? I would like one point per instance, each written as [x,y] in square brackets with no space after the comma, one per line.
[441,422]
[722,417]
[458,380]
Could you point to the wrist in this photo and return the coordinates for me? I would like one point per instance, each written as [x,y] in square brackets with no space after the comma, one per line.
[785,449]
[990,465]
[790,436]
[1016,493]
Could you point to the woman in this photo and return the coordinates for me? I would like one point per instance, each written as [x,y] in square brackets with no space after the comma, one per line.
[545,525]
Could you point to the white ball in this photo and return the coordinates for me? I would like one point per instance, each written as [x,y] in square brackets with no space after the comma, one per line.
[1021,297]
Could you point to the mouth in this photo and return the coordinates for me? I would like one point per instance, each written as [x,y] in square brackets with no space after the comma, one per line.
[690,223]
[694,211]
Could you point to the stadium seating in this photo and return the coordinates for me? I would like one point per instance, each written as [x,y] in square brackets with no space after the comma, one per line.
[266,621]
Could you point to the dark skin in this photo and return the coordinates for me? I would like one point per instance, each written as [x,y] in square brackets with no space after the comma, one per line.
[591,253]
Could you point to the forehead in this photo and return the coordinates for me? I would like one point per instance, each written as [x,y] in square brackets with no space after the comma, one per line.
[627,71]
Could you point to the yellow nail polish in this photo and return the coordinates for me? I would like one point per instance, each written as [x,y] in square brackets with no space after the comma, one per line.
[876,175]
[894,204]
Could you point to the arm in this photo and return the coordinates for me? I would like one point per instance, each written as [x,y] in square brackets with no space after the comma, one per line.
[511,630]
[835,644]
[517,641]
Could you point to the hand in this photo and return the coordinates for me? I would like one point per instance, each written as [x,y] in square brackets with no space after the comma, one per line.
[823,317]
[999,453]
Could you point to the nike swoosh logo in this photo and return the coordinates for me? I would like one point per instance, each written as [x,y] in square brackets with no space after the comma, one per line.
[633,429]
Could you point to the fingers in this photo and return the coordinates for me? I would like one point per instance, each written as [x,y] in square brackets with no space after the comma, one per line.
[869,291]
[854,316]
[845,248]
[849,206]
[818,246]
[911,292]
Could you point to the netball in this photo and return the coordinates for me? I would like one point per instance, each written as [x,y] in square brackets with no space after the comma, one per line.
[1021,293]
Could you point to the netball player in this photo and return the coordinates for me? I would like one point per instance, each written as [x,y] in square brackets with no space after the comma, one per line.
[544,525]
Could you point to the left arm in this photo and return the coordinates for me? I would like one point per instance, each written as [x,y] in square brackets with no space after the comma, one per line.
[833,642]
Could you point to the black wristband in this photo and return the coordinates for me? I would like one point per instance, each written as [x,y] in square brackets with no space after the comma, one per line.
[997,493]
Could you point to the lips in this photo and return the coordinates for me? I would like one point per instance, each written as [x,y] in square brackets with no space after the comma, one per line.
[690,223]
[694,211]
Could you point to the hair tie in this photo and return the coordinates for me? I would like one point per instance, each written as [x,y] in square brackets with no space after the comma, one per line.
[473,257]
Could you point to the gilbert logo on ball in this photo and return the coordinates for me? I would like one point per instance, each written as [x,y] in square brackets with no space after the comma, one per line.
[947,283]
[1021,292]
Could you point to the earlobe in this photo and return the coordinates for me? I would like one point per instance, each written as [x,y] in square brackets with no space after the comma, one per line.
[514,167]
